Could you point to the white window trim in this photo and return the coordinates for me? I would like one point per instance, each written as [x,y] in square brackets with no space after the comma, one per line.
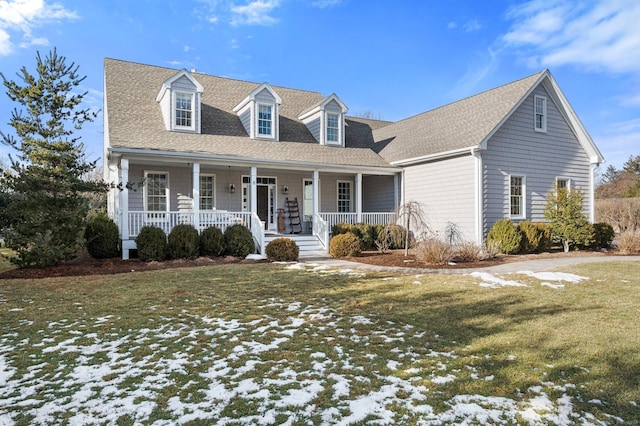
[326,128]
[214,191]
[523,209]
[569,182]
[174,108]
[543,129]
[350,182]
[167,194]
[273,121]
[305,217]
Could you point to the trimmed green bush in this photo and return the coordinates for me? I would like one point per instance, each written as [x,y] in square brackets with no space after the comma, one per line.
[536,237]
[239,241]
[602,236]
[282,250]
[340,228]
[102,237]
[212,242]
[183,242]
[505,236]
[152,244]
[345,245]
[366,233]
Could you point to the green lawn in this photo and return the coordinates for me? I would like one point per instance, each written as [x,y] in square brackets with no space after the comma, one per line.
[272,344]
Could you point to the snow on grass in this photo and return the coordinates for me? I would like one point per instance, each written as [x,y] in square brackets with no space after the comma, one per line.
[345,369]
[490,281]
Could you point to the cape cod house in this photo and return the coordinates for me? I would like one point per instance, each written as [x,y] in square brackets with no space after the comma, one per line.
[208,150]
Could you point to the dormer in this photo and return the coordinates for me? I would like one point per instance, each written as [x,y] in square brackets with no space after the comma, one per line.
[179,100]
[259,113]
[325,121]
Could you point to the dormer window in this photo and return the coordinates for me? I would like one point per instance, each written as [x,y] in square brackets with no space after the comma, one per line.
[179,100]
[333,128]
[325,121]
[184,110]
[258,113]
[265,120]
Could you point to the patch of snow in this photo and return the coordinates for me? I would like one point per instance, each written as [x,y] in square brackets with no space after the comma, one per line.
[256,256]
[554,286]
[441,380]
[491,281]
[554,276]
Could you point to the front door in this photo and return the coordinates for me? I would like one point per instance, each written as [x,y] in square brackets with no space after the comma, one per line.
[263,204]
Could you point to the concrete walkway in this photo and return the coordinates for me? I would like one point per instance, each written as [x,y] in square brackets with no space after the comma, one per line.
[536,265]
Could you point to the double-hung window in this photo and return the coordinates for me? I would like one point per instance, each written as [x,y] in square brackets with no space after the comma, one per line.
[540,113]
[517,199]
[156,194]
[333,128]
[184,110]
[344,196]
[265,120]
[207,192]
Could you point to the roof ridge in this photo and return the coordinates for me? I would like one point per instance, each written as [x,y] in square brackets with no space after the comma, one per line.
[211,75]
[471,96]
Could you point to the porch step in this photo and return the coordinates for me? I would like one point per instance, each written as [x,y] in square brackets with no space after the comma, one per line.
[309,245]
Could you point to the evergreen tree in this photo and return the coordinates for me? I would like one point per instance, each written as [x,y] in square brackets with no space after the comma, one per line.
[564,211]
[48,175]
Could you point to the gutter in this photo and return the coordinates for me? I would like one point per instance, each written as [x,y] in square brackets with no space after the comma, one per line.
[437,156]
[190,157]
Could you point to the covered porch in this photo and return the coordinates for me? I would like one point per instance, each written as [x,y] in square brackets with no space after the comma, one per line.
[167,192]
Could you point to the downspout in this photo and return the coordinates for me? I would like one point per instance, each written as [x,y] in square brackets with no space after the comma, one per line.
[479,217]
[592,192]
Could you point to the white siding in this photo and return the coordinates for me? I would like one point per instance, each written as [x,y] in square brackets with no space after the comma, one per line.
[446,191]
[516,148]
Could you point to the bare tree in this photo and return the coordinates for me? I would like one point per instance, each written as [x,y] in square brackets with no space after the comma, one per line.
[411,215]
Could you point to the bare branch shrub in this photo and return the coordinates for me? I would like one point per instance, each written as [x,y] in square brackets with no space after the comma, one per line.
[621,213]
[434,251]
[467,252]
[628,242]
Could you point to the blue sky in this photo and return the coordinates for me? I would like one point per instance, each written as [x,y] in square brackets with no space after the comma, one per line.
[394,59]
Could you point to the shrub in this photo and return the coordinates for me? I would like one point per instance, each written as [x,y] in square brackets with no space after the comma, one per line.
[102,237]
[434,251]
[396,235]
[366,233]
[183,242]
[536,237]
[628,242]
[621,213]
[239,241]
[283,250]
[467,252]
[212,242]
[340,228]
[602,235]
[505,235]
[152,244]
[345,245]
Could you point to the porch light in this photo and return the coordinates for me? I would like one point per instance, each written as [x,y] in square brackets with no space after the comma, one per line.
[285,189]
[232,188]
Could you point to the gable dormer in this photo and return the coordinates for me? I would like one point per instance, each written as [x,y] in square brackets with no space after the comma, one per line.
[325,121]
[179,100]
[260,112]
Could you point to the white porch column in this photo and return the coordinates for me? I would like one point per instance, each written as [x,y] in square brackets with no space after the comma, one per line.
[195,195]
[124,205]
[592,190]
[316,192]
[253,190]
[396,190]
[359,197]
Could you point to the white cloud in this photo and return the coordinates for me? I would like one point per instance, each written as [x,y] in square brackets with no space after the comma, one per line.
[19,18]
[603,35]
[471,25]
[621,140]
[256,12]
[326,3]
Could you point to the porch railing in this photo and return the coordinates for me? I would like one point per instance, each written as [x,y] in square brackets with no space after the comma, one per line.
[352,218]
[321,230]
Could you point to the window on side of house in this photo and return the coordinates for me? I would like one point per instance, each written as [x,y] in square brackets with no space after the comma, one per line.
[344,196]
[563,183]
[207,192]
[540,113]
[184,110]
[156,197]
[333,128]
[265,120]
[517,193]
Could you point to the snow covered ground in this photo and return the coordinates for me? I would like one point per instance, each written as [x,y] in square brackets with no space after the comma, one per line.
[228,369]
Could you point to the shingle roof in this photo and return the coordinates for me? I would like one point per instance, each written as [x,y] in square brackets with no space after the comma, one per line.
[462,124]
[135,120]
